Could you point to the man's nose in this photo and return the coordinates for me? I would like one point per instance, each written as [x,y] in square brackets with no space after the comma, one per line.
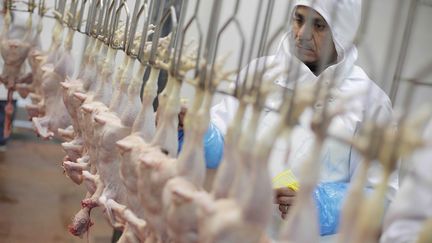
[305,32]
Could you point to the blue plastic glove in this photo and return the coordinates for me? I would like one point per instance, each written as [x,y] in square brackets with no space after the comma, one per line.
[329,198]
[213,146]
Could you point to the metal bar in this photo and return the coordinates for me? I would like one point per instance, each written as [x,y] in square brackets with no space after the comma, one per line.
[90,16]
[189,23]
[403,50]
[106,22]
[157,33]
[144,34]
[80,16]
[212,32]
[133,27]
[111,27]
[234,20]
[174,37]
[180,36]
[102,8]
[257,81]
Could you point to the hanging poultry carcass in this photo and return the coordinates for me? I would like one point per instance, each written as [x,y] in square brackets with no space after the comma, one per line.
[16,43]
[30,81]
[14,49]
[56,115]
[190,167]
[75,148]
[96,99]
[157,159]
[394,145]
[403,222]
[109,123]
[130,148]
[241,217]
[82,83]
[44,60]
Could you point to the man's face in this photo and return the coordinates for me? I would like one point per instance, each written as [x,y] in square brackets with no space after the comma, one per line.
[313,38]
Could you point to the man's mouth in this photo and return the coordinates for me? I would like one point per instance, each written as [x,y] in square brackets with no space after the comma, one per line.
[307,48]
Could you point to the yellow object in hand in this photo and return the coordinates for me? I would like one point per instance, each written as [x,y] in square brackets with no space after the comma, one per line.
[286,179]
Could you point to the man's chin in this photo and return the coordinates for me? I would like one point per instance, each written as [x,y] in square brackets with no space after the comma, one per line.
[305,58]
[305,54]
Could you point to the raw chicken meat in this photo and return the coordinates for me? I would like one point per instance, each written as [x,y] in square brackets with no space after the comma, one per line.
[56,115]
[14,52]
[393,145]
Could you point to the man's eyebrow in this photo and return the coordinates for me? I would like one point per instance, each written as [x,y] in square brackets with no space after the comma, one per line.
[313,19]
[298,15]
[319,21]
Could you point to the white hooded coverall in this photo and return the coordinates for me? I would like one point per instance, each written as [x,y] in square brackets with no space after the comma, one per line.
[338,161]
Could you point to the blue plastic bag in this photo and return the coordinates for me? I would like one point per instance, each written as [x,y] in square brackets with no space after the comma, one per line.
[329,198]
[213,146]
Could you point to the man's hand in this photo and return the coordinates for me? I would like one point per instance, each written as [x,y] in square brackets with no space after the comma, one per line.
[285,198]
[181,116]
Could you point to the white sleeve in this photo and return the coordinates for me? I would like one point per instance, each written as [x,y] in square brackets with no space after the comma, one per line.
[223,113]
[380,107]
[413,203]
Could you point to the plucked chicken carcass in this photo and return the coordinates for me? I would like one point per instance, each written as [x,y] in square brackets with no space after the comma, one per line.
[394,145]
[116,125]
[182,216]
[28,83]
[302,220]
[14,52]
[56,115]
[156,167]
[237,218]
[112,124]
[93,102]
[131,146]
[157,161]
[43,59]
[75,148]
[15,46]
[209,220]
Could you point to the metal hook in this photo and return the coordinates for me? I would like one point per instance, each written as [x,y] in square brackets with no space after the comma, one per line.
[194,19]
[210,44]
[116,23]
[107,21]
[133,26]
[41,8]
[257,80]
[62,8]
[141,11]
[80,16]
[94,14]
[71,21]
[231,19]
[90,16]
[31,5]
[144,33]
[173,14]
[180,36]
[157,33]
[111,19]
[99,30]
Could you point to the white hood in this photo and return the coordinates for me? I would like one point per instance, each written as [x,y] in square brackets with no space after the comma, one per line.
[343,18]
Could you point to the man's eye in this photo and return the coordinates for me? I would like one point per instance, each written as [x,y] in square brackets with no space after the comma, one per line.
[298,20]
[320,26]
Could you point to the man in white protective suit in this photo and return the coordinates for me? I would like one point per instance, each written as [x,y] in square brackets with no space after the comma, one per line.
[318,27]
[411,209]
